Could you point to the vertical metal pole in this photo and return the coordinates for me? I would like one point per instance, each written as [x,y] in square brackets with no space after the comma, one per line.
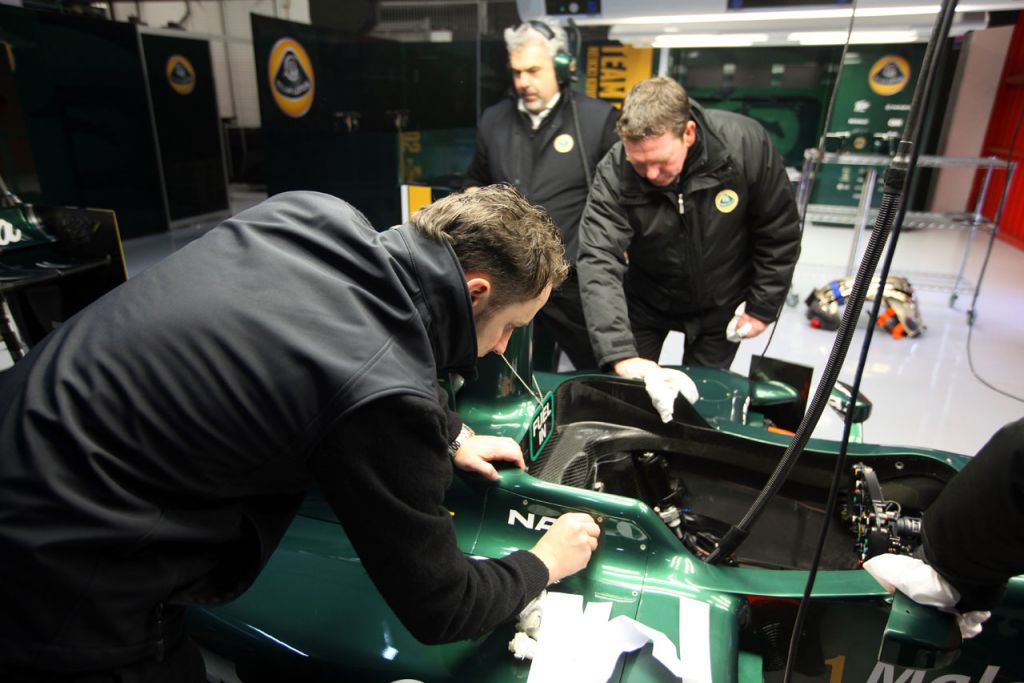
[663,61]
[867,192]
[161,176]
[803,193]
[992,238]
[970,236]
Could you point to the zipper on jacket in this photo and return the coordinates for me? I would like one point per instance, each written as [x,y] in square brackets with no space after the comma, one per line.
[679,198]
[160,645]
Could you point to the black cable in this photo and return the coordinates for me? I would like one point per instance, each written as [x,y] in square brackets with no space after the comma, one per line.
[819,154]
[933,55]
[575,111]
[890,210]
[984,265]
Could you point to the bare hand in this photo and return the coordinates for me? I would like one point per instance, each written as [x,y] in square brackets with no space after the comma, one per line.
[756,326]
[478,452]
[634,368]
[567,546]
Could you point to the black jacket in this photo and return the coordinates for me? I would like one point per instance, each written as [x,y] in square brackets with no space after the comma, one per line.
[973,532]
[156,446]
[544,164]
[690,249]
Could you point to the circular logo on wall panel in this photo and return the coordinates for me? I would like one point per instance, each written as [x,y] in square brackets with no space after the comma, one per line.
[291,77]
[889,75]
[726,201]
[180,74]
[564,143]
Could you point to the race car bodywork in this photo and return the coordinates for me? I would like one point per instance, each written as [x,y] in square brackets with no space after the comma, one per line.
[662,493]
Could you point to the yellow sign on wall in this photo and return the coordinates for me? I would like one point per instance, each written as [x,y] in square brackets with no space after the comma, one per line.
[180,74]
[613,69]
[889,75]
[292,82]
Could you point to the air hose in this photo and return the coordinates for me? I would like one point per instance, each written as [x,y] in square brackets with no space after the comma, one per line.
[890,213]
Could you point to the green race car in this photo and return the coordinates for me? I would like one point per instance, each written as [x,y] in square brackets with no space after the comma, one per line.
[664,494]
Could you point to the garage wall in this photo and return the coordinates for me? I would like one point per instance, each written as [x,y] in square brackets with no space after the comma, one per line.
[976,85]
[227,25]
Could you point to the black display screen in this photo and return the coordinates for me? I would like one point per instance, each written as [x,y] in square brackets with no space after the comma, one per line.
[779,4]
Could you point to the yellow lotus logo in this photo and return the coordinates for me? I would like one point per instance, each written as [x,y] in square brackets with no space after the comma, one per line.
[180,74]
[889,75]
[726,201]
[292,82]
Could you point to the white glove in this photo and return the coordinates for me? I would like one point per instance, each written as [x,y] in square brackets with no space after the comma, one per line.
[733,334]
[524,643]
[922,584]
[663,385]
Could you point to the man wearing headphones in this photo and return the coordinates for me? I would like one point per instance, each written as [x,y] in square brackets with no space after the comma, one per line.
[547,140]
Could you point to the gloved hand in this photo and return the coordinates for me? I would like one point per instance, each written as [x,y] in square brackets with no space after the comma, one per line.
[524,644]
[731,332]
[922,584]
[663,385]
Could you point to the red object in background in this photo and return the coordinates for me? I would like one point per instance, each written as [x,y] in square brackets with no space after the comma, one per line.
[1006,113]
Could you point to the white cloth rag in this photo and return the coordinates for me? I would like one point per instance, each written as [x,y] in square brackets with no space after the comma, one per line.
[922,584]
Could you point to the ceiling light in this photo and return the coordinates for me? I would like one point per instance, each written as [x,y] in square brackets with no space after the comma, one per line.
[710,40]
[774,15]
[857,38]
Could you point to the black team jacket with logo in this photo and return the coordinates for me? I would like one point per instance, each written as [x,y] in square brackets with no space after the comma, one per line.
[508,150]
[156,446]
[686,254]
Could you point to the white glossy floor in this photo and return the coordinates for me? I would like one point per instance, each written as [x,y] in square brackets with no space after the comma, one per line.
[923,390]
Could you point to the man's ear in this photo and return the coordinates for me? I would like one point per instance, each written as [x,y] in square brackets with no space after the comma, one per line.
[690,133]
[480,290]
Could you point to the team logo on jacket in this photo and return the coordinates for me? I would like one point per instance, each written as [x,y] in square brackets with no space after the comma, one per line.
[180,74]
[889,75]
[291,77]
[564,143]
[726,201]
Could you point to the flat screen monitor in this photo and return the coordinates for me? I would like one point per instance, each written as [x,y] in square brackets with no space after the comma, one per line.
[779,4]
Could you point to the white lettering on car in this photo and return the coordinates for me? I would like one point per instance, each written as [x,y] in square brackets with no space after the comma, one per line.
[530,521]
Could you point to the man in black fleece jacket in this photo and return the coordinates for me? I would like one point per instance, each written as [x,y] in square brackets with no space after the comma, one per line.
[156,446]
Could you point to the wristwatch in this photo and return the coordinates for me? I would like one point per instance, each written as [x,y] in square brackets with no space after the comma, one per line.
[464,434]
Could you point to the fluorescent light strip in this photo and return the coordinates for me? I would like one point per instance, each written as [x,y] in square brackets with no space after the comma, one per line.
[784,15]
[857,38]
[709,40]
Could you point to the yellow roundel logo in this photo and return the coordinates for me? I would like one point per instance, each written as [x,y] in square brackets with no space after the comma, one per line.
[726,201]
[291,77]
[889,75]
[180,74]
[564,143]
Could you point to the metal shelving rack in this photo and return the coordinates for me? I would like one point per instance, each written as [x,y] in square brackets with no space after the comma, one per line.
[860,216]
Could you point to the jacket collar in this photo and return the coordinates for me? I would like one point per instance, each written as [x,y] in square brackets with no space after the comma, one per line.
[433,277]
[554,114]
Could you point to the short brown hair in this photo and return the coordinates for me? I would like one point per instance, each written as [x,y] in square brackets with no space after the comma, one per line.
[496,232]
[654,107]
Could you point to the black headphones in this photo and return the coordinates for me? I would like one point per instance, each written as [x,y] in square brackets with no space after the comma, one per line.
[565,63]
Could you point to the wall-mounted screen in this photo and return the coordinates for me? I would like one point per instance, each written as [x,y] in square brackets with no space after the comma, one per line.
[777,4]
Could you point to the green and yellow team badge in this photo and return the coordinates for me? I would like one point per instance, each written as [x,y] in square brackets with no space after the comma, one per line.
[889,75]
[726,201]
[180,74]
[564,143]
[291,77]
